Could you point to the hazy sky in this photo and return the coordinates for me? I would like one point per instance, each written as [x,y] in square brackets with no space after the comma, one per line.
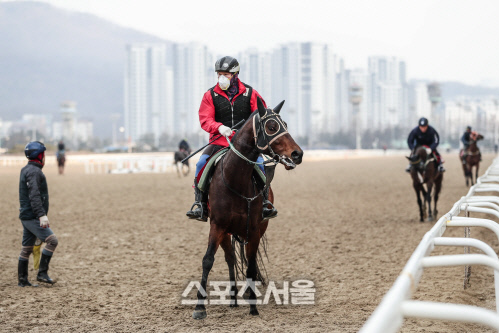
[439,39]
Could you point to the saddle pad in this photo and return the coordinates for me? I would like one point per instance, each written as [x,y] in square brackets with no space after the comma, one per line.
[205,173]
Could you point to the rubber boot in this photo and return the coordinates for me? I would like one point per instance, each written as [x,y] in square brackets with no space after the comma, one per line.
[199,209]
[268,213]
[44,267]
[22,274]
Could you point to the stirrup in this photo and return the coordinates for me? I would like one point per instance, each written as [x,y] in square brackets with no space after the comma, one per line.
[193,215]
[272,212]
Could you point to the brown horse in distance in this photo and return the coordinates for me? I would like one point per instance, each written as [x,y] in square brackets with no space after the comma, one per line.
[472,159]
[235,203]
[424,171]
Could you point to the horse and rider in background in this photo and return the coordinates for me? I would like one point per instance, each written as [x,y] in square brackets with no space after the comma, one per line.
[425,167]
[61,156]
[470,155]
[184,150]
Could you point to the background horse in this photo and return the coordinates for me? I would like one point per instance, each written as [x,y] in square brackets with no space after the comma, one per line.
[472,159]
[182,168]
[235,202]
[424,171]
[61,160]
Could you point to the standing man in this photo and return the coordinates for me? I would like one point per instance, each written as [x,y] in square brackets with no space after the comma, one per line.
[425,135]
[222,107]
[34,206]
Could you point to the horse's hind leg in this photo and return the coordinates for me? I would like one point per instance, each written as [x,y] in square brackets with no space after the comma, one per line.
[231,260]
[214,240]
[251,272]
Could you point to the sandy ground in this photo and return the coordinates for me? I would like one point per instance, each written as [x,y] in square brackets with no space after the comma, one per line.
[126,251]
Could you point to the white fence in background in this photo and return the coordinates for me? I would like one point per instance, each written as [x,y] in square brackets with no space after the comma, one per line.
[107,163]
[397,304]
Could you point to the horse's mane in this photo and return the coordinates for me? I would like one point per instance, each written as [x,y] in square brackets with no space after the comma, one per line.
[247,120]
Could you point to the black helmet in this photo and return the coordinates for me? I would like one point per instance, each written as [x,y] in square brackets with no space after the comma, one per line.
[227,64]
[423,122]
[33,149]
[468,128]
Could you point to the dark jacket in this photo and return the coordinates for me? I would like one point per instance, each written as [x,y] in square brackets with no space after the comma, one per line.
[429,138]
[33,192]
[465,139]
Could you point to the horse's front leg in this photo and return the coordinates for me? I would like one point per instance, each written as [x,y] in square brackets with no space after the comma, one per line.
[251,272]
[428,200]
[476,171]
[420,203]
[231,260]
[216,236]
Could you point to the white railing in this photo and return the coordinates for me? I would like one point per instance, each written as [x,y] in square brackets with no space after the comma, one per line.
[397,304]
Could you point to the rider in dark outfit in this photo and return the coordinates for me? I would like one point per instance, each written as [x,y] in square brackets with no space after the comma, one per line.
[222,107]
[184,146]
[425,135]
[34,206]
[466,140]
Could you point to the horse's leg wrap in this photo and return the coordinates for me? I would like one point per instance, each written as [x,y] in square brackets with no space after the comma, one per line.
[51,243]
[25,253]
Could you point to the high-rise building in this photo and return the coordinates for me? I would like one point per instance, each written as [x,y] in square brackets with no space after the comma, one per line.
[148,91]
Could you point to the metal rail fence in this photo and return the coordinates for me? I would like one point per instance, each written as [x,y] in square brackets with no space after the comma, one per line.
[397,304]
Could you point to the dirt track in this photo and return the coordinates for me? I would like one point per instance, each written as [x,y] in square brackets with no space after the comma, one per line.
[126,251]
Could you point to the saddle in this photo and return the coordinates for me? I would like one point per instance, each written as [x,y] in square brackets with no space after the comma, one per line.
[206,173]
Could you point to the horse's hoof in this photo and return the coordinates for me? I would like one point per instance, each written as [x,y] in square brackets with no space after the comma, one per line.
[430,219]
[199,314]
[254,312]
[234,305]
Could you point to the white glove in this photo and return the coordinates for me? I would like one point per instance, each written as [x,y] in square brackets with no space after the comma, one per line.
[224,130]
[44,222]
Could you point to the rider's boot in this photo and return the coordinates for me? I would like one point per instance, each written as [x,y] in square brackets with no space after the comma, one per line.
[22,274]
[199,209]
[268,213]
[43,269]
[408,169]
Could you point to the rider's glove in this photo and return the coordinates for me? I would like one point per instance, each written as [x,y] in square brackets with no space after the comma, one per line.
[44,222]
[224,130]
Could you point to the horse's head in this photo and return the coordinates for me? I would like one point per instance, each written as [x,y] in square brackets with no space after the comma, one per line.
[419,157]
[272,137]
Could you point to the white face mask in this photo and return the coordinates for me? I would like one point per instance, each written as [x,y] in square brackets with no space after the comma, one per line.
[223,82]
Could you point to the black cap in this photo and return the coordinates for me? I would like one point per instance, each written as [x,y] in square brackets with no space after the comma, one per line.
[468,128]
[423,122]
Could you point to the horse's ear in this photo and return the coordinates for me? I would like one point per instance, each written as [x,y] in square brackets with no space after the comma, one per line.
[408,158]
[261,107]
[278,107]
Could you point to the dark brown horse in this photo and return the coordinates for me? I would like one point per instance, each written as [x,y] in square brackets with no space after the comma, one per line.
[236,203]
[182,168]
[424,171]
[61,160]
[472,159]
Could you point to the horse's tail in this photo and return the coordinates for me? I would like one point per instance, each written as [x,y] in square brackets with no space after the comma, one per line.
[241,262]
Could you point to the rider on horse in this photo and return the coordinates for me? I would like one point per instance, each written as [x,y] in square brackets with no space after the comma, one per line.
[466,140]
[425,135]
[183,146]
[222,107]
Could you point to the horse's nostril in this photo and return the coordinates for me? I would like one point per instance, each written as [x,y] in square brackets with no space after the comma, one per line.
[296,156]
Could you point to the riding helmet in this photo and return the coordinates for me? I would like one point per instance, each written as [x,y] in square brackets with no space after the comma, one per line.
[423,122]
[227,64]
[468,128]
[33,149]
